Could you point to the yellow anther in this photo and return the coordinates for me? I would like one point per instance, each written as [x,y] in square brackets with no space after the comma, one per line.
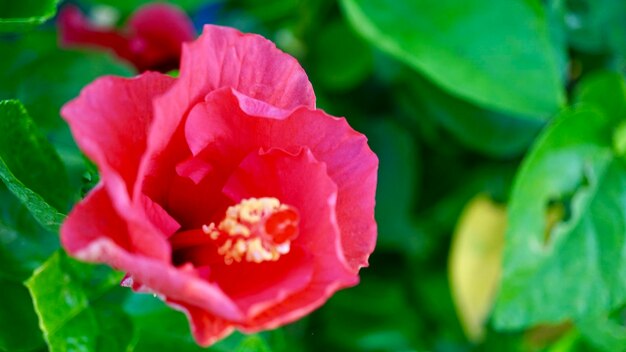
[211,231]
[248,233]
[223,249]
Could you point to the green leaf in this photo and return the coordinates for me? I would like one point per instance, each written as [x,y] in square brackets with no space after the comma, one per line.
[29,156]
[497,54]
[18,322]
[604,333]
[571,342]
[71,300]
[575,268]
[45,214]
[25,14]
[604,91]
[487,131]
[24,245]
[30,167]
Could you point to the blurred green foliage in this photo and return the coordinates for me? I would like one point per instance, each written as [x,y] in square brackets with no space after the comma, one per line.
[520,101]
[24,15]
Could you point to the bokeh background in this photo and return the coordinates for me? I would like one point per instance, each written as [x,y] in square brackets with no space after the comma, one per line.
[500,131]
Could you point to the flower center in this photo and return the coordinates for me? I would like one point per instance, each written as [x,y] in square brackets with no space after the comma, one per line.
[255,230]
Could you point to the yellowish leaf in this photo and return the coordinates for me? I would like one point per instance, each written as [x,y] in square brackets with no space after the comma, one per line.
[475,263]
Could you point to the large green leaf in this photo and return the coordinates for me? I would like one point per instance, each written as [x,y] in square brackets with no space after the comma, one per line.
[18,322]
[30,167]
[45,214]
[24,14]
[576,268]
[74,308]
[486,131]
[29,156]
[497,54]
[605,92]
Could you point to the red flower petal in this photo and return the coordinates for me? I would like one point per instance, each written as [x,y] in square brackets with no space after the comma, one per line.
[197,180]
[221,57]
[158,216]
[249,63]
[157,34]
[230,126]
[256,286]
[83,226]
[110,121]
[205,327]
[95,232]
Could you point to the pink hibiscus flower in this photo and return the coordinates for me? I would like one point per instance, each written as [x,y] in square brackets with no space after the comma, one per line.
[225,191]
